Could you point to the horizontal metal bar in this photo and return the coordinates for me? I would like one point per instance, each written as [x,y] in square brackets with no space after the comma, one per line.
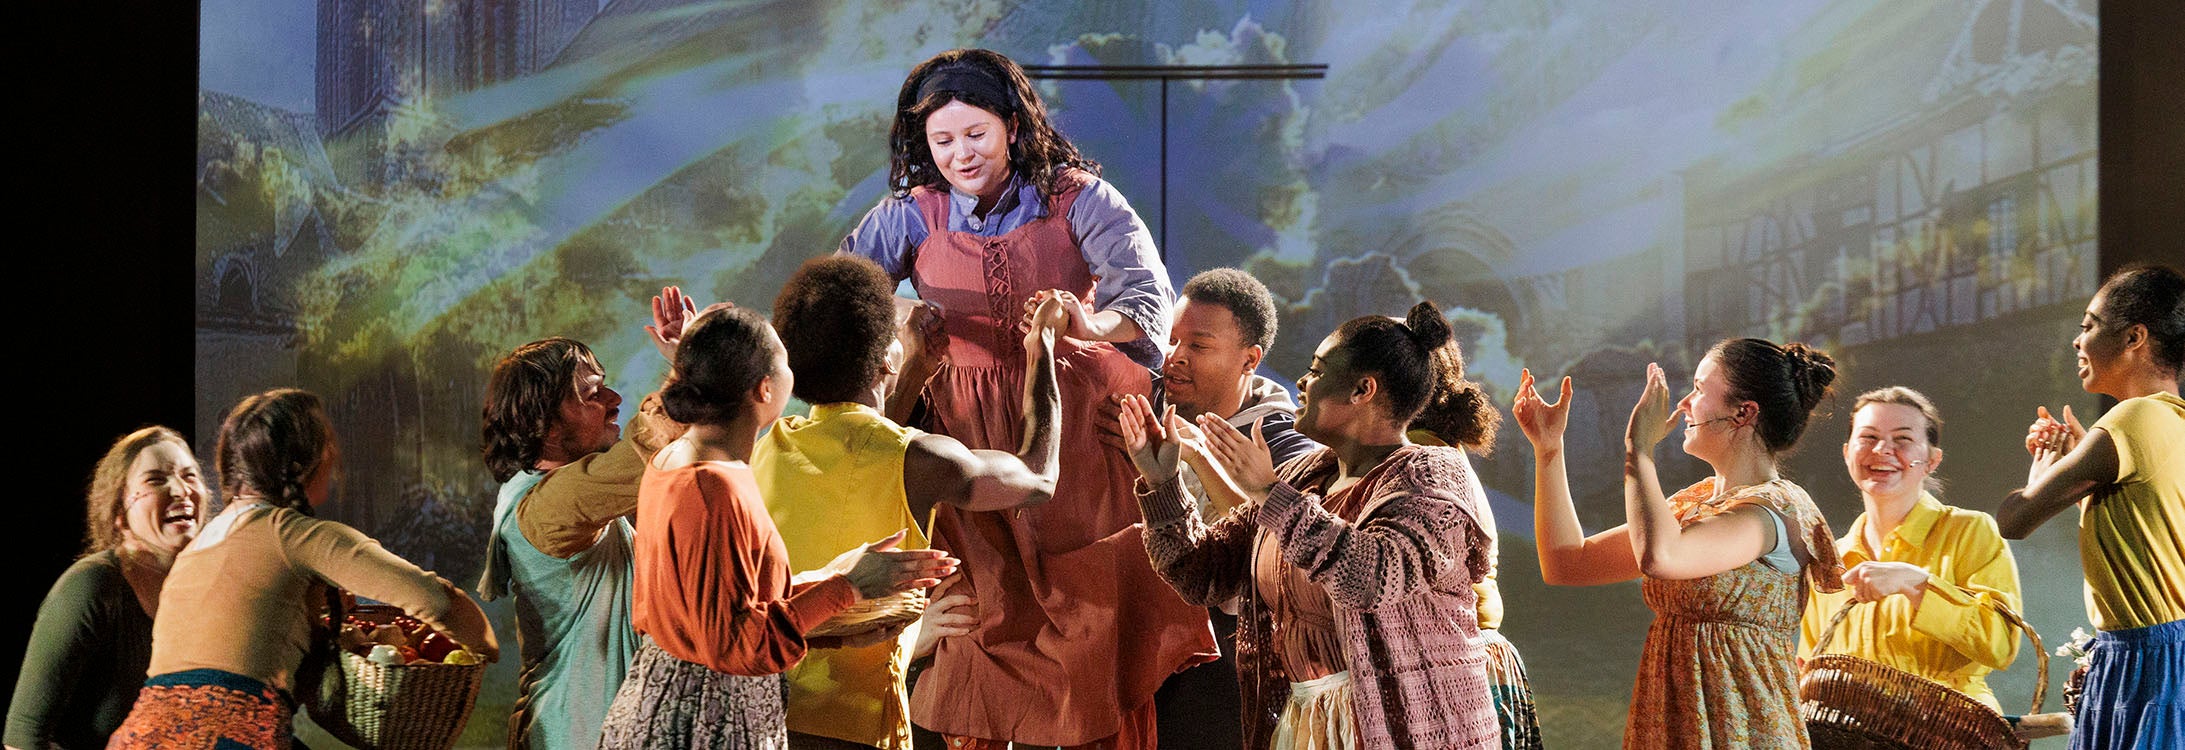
[1297,66]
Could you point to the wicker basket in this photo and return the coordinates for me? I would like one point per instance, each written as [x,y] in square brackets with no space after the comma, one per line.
[873,614]
[1849,702]
[392,706]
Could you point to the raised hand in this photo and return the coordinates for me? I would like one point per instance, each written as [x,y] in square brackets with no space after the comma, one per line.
[1542,422]
[879,569]
[672,312]
[1246,459]
[1652,417]
[1150,445]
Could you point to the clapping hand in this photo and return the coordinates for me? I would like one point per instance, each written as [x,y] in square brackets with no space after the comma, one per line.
[672,312]
[1542,422]
[1144,438]
[1246,459]
[1652,417]
[2056,436]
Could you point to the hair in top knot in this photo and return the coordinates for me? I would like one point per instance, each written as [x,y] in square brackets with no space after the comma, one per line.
[1787,381]
[1399,354]
[1427,326]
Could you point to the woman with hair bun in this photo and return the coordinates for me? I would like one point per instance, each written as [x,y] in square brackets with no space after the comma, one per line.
[1355,563]
[1725,562]
[991,211]
[242,603]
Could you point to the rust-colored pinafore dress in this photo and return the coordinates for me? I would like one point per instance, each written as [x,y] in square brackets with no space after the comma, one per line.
[1075,631]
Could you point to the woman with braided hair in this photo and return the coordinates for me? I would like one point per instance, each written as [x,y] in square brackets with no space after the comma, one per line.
[1725,562]
[993,211]
[241,605]
[1355,564]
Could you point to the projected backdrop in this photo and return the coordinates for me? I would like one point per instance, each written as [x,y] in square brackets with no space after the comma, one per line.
[390,194]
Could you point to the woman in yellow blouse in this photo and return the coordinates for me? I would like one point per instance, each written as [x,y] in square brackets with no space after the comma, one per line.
[2127,475]
[1931,571]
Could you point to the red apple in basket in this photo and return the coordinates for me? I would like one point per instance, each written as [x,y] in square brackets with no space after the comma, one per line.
[436,647]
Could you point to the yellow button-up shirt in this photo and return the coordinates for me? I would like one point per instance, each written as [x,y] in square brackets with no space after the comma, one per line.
[1954,637]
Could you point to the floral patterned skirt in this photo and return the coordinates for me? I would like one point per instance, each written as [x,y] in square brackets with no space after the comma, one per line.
[668,702]
[201,709]
[1513,694]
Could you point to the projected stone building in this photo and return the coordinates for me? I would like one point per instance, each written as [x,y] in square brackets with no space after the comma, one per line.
[1977,203]
[376,56]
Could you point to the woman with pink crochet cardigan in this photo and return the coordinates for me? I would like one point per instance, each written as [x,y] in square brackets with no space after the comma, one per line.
[1354,563]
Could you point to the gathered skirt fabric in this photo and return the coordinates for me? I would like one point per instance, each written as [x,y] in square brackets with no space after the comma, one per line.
[1318,716]
[2132,698]
[668,702]
[204,709]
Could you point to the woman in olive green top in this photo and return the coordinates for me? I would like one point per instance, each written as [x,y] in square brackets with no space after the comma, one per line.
[93,638]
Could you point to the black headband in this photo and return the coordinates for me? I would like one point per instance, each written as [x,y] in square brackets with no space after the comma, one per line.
[965,79]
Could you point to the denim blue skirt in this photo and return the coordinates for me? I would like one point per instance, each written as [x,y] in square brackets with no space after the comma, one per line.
[2134,680]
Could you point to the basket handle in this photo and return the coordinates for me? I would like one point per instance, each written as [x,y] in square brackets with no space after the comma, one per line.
[2040,652]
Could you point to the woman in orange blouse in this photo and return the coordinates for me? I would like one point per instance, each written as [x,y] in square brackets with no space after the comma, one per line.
[714,598]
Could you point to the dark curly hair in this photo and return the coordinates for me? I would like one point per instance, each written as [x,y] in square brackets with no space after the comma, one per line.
[1243,296]
[1459,412]
[1786,380]
[724,354]
[2152,296]
[103,501]
[836,317]
[1400,353]
[1040,153]
[523,401]
[272,444]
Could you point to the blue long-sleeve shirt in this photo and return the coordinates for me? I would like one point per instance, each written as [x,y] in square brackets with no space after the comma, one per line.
[1117,247]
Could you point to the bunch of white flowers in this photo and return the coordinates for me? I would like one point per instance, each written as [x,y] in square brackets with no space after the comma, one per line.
[2078,647]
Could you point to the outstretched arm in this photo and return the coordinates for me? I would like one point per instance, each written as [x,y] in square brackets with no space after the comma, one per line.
[1567,556]
[939,469]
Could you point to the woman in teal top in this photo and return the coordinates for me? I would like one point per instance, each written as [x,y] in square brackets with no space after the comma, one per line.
[93,641]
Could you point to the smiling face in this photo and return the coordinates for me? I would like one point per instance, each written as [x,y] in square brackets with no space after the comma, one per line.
[971,148]
[2100,346]
[585,424]
[1323,392]
[1210,362]
[164,500]
[1888,455]
[1711,419]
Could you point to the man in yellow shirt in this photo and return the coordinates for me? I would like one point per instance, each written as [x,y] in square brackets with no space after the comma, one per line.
[1931,575]
[848,473]
[2127,475]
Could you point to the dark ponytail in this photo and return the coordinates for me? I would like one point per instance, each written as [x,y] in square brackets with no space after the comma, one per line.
[1787,381]
[272,444]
